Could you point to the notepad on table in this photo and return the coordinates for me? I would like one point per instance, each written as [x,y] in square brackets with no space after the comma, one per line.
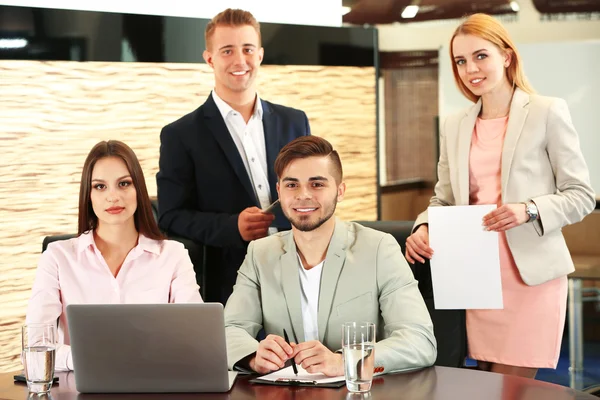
[286,376]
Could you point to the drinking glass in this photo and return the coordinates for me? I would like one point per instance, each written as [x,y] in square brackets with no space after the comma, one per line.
[38,353]
[358,347]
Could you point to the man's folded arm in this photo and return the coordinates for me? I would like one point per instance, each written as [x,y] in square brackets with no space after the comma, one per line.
[243,314]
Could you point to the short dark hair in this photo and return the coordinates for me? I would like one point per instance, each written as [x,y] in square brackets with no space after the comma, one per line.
[231,17]
[309,146]
[145,223]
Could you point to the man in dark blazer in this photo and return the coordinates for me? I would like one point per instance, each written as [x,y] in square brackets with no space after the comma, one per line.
[216,163]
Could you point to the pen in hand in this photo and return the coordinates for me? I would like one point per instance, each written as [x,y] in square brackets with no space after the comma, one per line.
[287,340]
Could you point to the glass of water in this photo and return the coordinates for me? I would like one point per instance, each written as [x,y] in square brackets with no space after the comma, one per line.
[358,346]
[38,353]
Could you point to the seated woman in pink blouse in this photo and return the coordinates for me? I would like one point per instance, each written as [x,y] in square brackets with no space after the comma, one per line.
[119,256]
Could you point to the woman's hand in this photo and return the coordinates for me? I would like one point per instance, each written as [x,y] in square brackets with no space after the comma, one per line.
[505,217]
[417,245]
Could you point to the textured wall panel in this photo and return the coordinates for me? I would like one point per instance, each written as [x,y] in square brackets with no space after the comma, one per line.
[52,113]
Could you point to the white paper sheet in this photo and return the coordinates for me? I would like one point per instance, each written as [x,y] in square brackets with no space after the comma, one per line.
[288,373]
[465,267]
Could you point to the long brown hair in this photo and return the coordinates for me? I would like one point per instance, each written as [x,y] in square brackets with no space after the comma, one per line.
[143,217]
[490,29]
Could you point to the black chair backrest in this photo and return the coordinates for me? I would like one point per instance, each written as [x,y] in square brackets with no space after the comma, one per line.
[154,203]
[50,239]
[449,325]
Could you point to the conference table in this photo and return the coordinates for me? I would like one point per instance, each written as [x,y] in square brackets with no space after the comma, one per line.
[435,383]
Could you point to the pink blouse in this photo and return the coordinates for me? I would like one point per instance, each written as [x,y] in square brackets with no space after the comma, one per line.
[74,272]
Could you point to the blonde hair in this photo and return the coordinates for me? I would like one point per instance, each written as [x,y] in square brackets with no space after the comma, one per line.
[234,18]
[490,29]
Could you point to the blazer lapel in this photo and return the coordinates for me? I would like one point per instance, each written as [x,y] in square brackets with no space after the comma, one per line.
[516,120]
[334,262]
[272,145]
[465,133]
[216,126]
[290,285]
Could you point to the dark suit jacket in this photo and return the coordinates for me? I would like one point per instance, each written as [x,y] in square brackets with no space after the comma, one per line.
[203,184]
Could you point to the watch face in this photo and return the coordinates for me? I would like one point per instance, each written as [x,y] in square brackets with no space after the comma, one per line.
[531,211]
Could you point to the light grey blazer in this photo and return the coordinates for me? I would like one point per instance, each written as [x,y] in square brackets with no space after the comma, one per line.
[365,278]
[541,161]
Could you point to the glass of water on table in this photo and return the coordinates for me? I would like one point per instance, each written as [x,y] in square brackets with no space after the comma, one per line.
[358,347]
[38,353]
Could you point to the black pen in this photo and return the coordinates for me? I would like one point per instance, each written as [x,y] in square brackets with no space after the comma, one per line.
[287,340]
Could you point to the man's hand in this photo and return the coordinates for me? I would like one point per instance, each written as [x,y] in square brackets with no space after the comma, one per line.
[505,217]
[314,357]
[253,223]
[271,355]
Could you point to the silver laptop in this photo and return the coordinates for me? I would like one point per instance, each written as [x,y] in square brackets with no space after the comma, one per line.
[149,348]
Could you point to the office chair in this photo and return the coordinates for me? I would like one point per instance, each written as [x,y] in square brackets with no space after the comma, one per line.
[449,326]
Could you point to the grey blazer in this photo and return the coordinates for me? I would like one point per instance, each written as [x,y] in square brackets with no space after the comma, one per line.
[365,278]
[541,161]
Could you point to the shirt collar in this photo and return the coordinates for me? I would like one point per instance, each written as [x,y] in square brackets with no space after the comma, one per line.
[225,108]
[149,245]
[86,240]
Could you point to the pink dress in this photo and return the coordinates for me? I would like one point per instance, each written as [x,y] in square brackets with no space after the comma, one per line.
[528,331]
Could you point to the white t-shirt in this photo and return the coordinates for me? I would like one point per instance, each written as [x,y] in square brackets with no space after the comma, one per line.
[310,285]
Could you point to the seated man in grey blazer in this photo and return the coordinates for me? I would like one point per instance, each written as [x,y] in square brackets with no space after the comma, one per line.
[322,273]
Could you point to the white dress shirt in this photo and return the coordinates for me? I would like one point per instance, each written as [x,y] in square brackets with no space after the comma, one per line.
[250,141]
[310,285]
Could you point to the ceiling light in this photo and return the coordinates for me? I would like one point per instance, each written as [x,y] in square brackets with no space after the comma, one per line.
[410,11]
[13,43]
[345,10]
[514,6]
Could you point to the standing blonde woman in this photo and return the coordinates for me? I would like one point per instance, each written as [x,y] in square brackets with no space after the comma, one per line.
[520,151]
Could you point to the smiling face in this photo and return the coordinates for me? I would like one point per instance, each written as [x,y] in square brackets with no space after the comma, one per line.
[309,193]
[481,65]
[235,55]
[113,195]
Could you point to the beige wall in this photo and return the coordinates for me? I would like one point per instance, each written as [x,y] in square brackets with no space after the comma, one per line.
[54,112]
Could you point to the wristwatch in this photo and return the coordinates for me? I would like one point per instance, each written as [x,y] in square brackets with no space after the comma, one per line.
[531,210]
